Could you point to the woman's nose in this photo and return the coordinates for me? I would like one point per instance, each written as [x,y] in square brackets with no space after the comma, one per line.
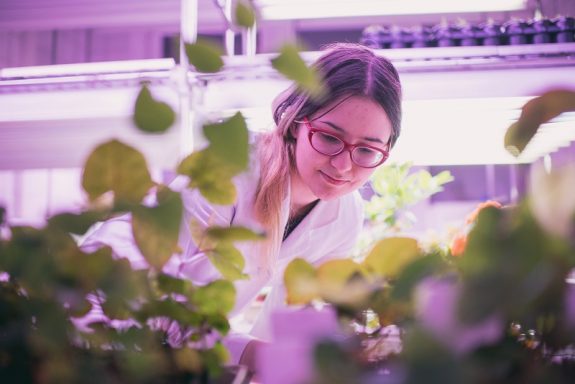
[342,161]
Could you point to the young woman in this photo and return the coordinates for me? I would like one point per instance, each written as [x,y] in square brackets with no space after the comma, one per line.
[302,184]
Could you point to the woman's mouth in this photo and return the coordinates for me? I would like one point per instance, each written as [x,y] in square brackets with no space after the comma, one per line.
[331,180]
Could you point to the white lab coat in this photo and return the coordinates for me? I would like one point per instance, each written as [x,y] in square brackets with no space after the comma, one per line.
[329,231]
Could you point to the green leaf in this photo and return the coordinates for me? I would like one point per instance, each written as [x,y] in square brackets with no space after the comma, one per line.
[338,271]
[115,166]
[391,255]
[443,177]
[170,284]
[214,359]
[219,322]
[343,282]
[229,142]
[300,282]
[290,64]
[90,269]
[245,15]
[335,363]
[210,175]
[156,230]
[173,310]
[187,360]
[205,56]
[122,286]
[151,115]
[2,215]
[222,192]
[199,236]
[77,223]
[212,169]
[116,308]
[229,261]
[234,233]
[216,297]
[535,112]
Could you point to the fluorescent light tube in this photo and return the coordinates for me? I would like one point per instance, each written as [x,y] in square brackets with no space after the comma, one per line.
[316,9]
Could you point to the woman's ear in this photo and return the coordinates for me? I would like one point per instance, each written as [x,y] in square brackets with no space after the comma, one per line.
[294,129]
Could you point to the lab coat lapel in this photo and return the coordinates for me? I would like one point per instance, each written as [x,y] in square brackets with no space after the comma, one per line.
[314,227]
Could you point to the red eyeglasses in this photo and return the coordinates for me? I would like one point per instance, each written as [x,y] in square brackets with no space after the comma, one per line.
[329,144]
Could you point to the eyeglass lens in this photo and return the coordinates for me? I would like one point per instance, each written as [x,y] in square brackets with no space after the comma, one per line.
[332,145]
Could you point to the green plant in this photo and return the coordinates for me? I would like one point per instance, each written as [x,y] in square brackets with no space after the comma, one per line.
[46,277]
[503,311]
[396,188]
[50,277]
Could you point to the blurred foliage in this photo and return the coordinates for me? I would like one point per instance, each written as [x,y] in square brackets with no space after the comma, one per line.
[245,15]
[501,310]
[535,112]
[226,156]
[50,277]
[205,56]
[290,64]
[151,115]
[48,283]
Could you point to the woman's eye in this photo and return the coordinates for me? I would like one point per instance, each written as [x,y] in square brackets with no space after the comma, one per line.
[329,139]
[364,151]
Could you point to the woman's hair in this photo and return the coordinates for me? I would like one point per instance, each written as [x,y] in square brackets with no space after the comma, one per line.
[345,70]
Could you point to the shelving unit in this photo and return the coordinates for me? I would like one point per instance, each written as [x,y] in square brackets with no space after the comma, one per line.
[458,102]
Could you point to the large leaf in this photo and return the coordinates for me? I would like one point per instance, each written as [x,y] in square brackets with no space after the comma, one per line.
[229,141]
[122,286]
[210,175]
[77,223]
[188,360]
[535,112]
[300,282]
[222,192]
[214,359]
[205,56]
[199,236]
[290,64]
[219,322]
[245,15]
[169,284]
[343,282]
[212,169]
[389,256]
[216,297]
[338,271]
[511,267]
[151,115]
[233,234]
[115,166]
[171,309]
[229,261]
[156,229]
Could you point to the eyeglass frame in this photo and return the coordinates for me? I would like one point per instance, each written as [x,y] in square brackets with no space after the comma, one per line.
[346,146]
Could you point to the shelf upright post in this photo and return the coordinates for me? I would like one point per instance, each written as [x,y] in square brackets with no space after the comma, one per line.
[188,34]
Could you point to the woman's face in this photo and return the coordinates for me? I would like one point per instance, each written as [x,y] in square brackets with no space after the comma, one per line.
[356,120]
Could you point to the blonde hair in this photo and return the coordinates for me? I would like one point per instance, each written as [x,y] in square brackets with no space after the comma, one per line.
[275,151]
[346,70]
